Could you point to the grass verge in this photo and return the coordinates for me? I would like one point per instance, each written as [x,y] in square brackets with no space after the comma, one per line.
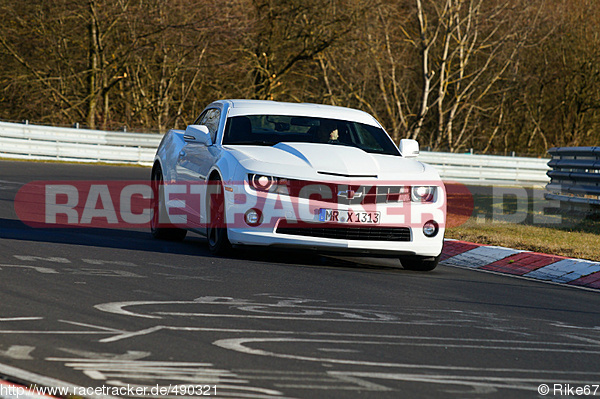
[522,219]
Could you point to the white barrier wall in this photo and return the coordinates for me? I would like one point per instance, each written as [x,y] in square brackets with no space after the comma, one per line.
[21,141]
[489,169]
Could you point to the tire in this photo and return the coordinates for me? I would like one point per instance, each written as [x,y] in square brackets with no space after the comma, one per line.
[420,263]
[158,207]
[216,233]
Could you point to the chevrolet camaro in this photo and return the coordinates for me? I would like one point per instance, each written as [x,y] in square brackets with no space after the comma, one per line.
[304,176]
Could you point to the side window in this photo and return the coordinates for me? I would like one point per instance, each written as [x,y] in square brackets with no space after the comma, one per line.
[211,120]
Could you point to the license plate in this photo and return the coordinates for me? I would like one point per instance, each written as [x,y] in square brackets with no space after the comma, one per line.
[341,216]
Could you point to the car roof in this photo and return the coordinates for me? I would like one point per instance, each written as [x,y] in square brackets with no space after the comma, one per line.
[264,107]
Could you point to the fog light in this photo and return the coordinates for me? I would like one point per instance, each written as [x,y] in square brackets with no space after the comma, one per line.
[253,217]
[430,228]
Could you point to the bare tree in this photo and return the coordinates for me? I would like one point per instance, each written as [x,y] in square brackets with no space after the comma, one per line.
[493,75]
[287,32]
[466,56]
[39,46]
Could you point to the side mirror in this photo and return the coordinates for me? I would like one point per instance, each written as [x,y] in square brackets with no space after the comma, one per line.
[197,134]
[409,148]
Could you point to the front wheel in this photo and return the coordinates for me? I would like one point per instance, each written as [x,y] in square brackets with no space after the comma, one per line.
[420,263]
[218,243]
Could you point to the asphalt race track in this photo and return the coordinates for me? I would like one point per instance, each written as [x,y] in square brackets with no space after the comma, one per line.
[115,308]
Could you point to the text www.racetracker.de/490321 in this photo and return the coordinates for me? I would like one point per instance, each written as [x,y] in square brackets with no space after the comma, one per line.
[127,390]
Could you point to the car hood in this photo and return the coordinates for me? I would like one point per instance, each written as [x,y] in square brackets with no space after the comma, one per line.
[302,159]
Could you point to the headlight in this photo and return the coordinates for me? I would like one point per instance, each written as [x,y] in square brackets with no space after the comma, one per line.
[423,193]
[268,184]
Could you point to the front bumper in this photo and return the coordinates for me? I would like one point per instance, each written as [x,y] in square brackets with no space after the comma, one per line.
[278,210]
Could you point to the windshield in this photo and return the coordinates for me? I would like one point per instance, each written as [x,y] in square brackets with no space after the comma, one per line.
[272,129]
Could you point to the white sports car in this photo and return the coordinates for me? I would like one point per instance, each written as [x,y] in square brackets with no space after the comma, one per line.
[307,176]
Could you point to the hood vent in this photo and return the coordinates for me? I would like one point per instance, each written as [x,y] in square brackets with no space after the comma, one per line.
[345,175]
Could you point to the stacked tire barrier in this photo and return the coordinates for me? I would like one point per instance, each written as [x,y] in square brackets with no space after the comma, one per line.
[575,175]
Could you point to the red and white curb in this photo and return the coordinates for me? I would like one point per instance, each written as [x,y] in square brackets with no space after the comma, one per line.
[558,269]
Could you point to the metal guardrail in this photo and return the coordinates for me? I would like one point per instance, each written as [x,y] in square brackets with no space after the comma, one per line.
[488,169]
[575,175]
[24,141]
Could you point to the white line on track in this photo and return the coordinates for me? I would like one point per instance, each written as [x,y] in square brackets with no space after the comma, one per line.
[238,345]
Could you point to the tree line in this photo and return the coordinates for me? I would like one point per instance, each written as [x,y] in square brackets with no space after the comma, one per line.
[495,76]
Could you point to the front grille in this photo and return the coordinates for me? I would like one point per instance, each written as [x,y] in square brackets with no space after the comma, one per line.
[349,233]
[349,194]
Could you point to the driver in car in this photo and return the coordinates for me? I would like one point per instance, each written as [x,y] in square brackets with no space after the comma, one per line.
[327,132]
